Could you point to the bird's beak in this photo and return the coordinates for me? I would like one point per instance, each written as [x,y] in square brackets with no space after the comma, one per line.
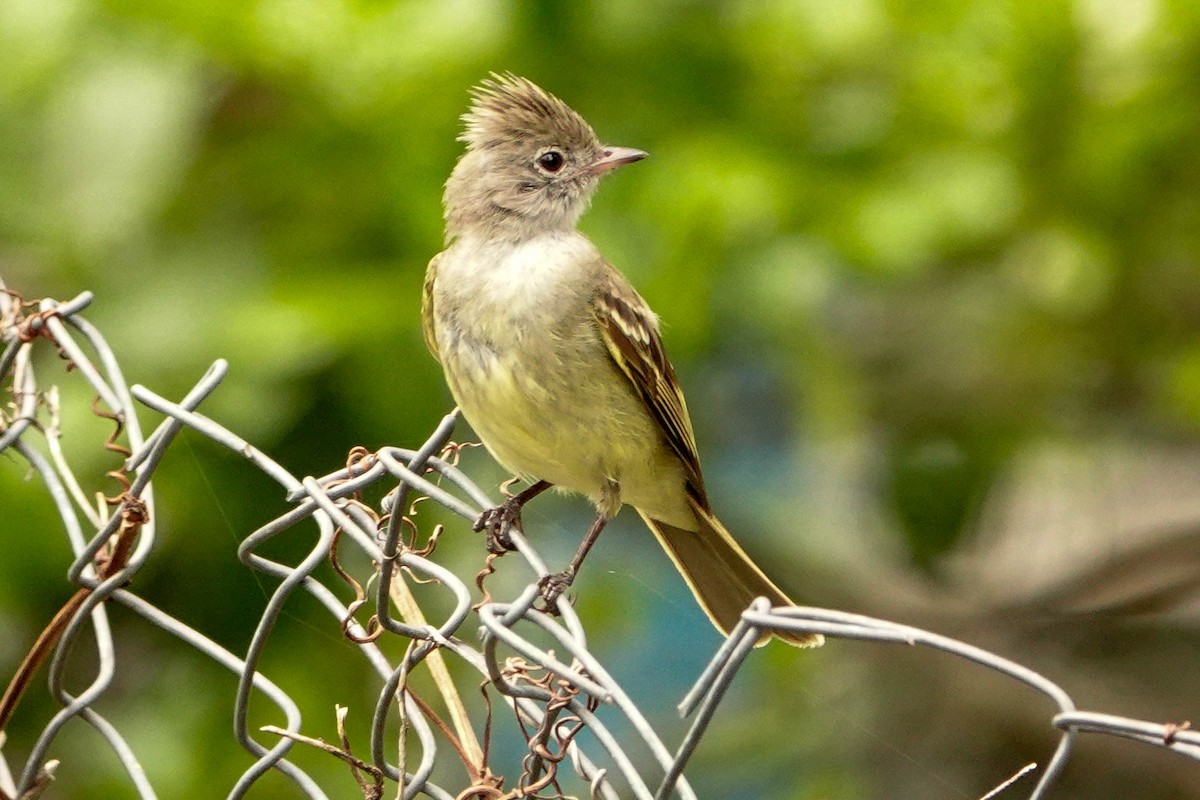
[613,157]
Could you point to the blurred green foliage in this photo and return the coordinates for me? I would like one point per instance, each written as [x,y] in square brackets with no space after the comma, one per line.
[895,245]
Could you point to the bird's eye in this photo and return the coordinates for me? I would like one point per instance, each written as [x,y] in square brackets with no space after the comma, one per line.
[551,161]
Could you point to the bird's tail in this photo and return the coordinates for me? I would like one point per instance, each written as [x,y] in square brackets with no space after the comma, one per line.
[721,575]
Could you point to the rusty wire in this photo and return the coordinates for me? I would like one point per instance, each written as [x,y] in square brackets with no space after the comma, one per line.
[554,695]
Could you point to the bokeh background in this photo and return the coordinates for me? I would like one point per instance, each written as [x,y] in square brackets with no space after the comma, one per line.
[928,271]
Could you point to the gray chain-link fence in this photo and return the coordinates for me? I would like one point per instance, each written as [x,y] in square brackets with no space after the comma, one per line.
[554,694]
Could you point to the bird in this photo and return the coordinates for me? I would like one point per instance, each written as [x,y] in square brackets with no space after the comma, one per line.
[554,358]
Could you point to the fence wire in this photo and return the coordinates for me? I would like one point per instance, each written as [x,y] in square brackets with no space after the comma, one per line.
[554,694]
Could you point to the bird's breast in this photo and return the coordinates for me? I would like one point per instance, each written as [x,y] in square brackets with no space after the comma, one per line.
[515,335]
[527,365]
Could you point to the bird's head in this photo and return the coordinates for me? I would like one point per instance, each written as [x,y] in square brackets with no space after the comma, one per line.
[531,163]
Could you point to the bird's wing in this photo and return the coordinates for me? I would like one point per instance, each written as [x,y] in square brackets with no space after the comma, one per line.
[427,322]
[630,333]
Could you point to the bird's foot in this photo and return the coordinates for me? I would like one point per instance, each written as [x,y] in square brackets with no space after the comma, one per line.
[552,587]
[496,522]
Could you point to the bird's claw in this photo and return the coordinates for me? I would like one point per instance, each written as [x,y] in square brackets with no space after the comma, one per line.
[496,522]
[552,587]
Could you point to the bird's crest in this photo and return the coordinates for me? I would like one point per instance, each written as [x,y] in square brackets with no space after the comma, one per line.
[505,107]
